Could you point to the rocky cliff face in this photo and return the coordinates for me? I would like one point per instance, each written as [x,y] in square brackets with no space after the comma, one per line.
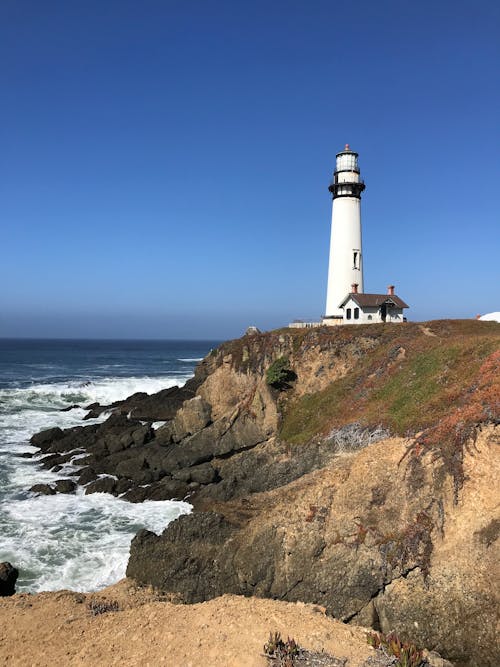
[366,486]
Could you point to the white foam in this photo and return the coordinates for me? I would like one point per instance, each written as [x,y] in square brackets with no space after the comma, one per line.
[104,391]
[67,541]
[193,359]
[76,541]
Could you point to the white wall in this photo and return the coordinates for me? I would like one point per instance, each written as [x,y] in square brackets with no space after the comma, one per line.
[371,314]
[345,239]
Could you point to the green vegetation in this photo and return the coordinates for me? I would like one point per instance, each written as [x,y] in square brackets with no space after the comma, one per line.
[279,374]
[406,654]
[406,394]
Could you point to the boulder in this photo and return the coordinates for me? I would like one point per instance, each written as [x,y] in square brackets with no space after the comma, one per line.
[194,415]
[101,485]
[8,578]
[201,474]
[43,489]
[187,559]
[87,475]
[46,437]
[65,486]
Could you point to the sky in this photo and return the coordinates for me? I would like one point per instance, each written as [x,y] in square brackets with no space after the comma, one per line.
[164,165]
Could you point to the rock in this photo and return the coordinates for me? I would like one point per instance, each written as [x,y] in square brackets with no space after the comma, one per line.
[191,418]
[122,485]
[167,489]
[137,469]
[202,474]
[68,408]
[43,489]
[65,486]
[187,558]
[46,437]
[252,331]
[87,475]
[219,439]
[101,485]
[137,494]
[356,537]
[8,578]
[435,660]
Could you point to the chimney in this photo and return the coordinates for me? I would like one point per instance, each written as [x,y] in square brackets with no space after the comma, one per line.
[354,288]
[390,290]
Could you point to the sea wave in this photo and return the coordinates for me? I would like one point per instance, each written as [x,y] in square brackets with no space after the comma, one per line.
[54,396]
[78,542]
[67,541]
[193,359]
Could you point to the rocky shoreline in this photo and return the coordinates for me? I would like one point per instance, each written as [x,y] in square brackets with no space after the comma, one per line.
[324,490]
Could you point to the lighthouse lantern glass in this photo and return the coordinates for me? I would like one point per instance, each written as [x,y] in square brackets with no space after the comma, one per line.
[347,162]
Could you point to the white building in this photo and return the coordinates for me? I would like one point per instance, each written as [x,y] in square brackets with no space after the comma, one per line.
[346,302]
[359,308]
[346,254]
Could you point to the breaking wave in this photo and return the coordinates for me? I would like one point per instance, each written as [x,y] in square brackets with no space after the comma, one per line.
[68,541]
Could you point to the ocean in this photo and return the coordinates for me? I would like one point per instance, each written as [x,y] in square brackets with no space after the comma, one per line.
[76,541]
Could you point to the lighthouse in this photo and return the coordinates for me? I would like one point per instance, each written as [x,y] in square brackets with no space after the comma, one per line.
[345,269]
[346,300]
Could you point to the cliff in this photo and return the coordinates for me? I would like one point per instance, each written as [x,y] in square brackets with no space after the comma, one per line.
[350,467]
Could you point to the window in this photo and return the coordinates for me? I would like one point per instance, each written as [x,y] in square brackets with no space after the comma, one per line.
[348,314]
[355,259]
[370,317]
[356,313]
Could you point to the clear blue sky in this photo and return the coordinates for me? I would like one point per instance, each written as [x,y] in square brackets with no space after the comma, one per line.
[164,164]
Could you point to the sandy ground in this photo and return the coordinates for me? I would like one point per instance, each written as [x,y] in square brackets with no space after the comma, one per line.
[59,629]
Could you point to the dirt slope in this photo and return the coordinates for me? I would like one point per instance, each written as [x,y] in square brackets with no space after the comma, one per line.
[58,629]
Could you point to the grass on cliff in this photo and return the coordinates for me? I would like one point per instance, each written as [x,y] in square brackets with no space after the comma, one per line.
[414,377]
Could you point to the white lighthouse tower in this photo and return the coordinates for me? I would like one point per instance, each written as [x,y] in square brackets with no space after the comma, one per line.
[345,268]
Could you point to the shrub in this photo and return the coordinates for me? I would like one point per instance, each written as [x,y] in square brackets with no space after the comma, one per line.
[279,374]
[281,653]
[354,436]
[406,654]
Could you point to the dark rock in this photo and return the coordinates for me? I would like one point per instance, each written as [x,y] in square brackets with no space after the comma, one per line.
[87,475]
[65,486]
[188,558]
[68,408]
[220,439]
[137,494]
[43,489]
[101,485]
[8,578]
[202,474]
[52,460]
[46,437]
[122,485]
[165,434]
[137,469]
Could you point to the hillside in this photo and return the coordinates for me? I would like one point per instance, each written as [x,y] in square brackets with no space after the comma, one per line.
[350,467]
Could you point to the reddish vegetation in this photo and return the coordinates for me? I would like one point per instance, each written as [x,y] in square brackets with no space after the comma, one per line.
[479,404]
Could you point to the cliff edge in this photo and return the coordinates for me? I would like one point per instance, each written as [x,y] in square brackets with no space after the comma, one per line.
[350,467]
